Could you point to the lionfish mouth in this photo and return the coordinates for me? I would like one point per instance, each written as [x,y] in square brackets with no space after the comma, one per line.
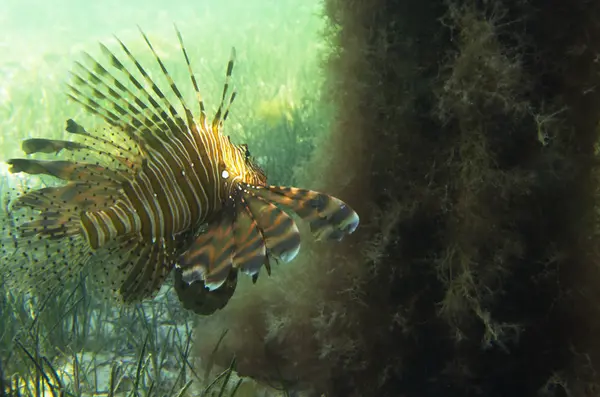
[256,227]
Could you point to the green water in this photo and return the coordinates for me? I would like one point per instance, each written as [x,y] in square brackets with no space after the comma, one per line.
[74,342]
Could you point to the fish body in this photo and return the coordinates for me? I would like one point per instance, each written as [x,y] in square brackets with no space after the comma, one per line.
[155,189]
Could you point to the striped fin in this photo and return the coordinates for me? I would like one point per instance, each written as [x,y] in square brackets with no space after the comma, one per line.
[174,122]
[192,77]
[281,235]
[190,143]
[210,257]
[139,114]
[219,115]
[136,115]
[260,231]
[251,251]
[123,108]
[174,89]
[114,153]
[329,217]
[211,263]
[130,269]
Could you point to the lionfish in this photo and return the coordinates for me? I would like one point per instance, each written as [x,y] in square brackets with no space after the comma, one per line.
[154,190]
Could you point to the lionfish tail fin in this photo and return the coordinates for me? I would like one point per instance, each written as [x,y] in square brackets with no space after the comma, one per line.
[329,217]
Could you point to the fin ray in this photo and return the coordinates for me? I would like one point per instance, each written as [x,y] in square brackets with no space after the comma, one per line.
[210,257]
[282,237]
[250,248]
[329,217]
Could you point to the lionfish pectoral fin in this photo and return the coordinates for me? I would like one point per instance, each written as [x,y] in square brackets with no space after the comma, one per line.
[278,229]
[205,278]
[329,217]
[210,256]
[250,249]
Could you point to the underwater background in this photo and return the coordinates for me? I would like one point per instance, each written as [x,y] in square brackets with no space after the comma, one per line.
[465,135]
[75,343]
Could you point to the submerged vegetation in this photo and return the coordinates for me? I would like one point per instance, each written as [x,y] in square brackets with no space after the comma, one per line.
[483,248]
[73,343]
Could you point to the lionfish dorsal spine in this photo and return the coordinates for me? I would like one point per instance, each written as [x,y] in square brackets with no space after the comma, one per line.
[223,110]
[202,116]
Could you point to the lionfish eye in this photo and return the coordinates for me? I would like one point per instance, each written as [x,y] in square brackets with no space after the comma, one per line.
[247,151]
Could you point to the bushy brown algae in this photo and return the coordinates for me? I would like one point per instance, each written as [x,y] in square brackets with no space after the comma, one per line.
[467,134]
[485,145]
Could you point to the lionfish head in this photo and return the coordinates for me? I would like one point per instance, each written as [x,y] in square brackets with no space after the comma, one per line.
[238,169]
